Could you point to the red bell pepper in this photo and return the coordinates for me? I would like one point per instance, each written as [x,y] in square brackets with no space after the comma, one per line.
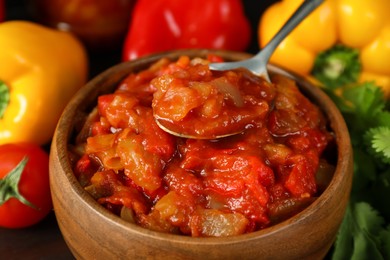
[161,25]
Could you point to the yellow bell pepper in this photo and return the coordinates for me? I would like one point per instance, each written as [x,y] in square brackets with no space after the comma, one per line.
[360,25]
[40,70]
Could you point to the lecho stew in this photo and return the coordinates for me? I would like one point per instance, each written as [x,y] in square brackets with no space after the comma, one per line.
[270,171]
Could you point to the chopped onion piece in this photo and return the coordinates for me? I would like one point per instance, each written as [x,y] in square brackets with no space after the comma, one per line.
[228,89]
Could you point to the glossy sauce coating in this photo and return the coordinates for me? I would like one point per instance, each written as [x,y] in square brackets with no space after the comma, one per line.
[197,102]
[220,187]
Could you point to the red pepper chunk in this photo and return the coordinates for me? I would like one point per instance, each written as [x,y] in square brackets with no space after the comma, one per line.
[161,25]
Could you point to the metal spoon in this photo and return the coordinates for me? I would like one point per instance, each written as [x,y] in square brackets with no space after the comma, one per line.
[257,64]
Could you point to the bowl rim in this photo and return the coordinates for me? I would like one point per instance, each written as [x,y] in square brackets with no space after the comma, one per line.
[330,111]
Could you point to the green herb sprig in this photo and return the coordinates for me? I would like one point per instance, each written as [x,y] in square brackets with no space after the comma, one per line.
[365,231]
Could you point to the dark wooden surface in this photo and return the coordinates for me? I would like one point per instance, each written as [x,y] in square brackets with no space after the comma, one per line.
[44,240]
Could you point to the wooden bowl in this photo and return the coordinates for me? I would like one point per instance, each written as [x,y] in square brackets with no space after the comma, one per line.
[92,232]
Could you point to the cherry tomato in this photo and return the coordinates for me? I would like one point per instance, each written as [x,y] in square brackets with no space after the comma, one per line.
[30,200]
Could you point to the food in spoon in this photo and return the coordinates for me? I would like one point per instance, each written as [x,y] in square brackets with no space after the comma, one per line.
[193,101]
[203,188]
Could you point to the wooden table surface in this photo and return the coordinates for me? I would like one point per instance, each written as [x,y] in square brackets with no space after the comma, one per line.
[44,240]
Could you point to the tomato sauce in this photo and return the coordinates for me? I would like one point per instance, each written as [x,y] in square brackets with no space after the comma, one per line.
[218,187]
[197,102]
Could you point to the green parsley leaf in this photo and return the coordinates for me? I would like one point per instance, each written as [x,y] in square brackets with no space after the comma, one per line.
[383,118]
[366,98]
[378,140]
[385,238]
[363,106]
[360,234]
[363,176]
[377,193]
[337,66]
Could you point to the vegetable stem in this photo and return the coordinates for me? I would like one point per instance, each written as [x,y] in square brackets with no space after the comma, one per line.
[337,66]
[9,185]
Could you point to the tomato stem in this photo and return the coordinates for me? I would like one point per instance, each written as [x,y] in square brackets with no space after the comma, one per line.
[4,97]
[9,185]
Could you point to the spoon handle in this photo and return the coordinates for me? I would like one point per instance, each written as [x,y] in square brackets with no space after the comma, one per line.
[258,63]
[301,13]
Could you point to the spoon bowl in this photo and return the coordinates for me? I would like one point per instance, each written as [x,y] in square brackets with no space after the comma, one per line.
[165,125]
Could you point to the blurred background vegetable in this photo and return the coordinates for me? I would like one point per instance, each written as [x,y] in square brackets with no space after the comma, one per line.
[162,25]
[361,27]
[24,185]
[101,25]
[345,46]
[1,10]
[40,70]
